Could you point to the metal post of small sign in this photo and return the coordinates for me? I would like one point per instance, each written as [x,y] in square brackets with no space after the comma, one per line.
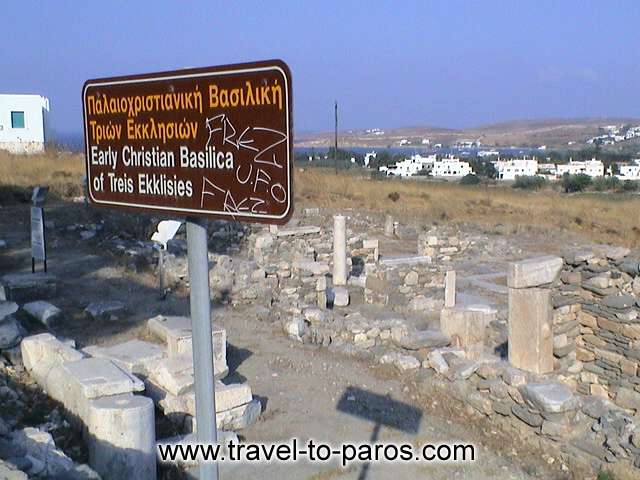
[198,260]
[38,240]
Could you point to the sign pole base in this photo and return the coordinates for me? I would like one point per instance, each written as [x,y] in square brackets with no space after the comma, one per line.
[199,297]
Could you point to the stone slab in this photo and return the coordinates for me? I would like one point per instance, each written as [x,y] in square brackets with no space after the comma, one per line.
[295,231]
[530,335]
[41,352]
[135,356]
[24,287]
[534,272]
[469,325]
[176,332]
[46,313]
[549,397]
[174,374]
[405,260]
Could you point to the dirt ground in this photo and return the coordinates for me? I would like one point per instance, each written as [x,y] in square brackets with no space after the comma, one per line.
[300,386]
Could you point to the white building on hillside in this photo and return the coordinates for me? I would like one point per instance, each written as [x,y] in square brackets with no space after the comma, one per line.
[519,167]
[23,123]
[450,167]
[593,168]
[409,166]
[368,156]
[629,172]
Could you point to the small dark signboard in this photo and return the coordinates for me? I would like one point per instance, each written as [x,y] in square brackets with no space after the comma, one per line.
[214,142]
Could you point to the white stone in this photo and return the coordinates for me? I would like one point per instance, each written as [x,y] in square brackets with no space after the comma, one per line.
[295,231]
[315,268]
[174,374]
[264,240]
[399,260]
[411,278]
[176,332]
[450,289]
[42,352]
[533,272]
[340,296]
[122,439]
[407,362]
[135,356]
[74,383]
[42,311]
[339,250]
[295,327]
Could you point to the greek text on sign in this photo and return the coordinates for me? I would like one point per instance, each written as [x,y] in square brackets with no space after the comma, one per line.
[213,141]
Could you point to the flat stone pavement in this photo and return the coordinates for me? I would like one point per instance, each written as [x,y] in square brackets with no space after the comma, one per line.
[303,385]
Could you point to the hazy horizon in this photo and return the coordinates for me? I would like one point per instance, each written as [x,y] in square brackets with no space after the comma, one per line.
[389,65]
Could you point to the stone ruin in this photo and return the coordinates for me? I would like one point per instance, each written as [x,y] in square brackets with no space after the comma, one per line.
[567,379]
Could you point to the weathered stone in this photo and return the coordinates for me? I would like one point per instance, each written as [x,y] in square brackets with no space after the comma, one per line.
[105,310]
[340,296]
[548,397]
[514,377]
[296,231]
[450,289]
[411,278]
[469,326]
[406,362]
[533,272]
[122,438]
[41,352]
[339,250]
[44,312]
[408,260]
[7,309]
[176,332]
[135,356]
[74,383]
[619,302]
[627,398]
[528,417]
[420,303]
[530,337]
[415,340]
[174,374]
[40,446]
[436,360]
[295,327]
[9,333]
[24,287]
[264,240]
[315,268]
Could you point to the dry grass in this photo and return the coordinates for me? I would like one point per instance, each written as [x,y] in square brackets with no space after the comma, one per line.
[608,218]
[61,171]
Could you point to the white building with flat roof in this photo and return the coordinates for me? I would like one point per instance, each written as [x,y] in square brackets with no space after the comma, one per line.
[629,172]
[409,166]
[519,167]
[593,168]
[450,167]
[23,123]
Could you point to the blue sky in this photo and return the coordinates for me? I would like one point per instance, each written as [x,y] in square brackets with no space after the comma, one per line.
[388,63]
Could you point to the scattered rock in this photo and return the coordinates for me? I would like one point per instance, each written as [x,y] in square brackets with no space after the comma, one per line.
[548,397]
[44,312]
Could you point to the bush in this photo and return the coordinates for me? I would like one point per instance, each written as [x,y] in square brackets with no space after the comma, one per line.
[529,182]
[575,183]
[601,184]
[394,196]
[629,186]
[470,179]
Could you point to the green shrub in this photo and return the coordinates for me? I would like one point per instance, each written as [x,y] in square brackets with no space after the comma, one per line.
[470,179]
[629,186]
[575,183]
[602,184]
[529,182]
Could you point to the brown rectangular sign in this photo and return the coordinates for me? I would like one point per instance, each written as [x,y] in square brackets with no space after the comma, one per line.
[213,142]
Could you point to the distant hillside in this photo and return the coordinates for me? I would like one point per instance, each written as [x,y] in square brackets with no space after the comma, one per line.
[554,133]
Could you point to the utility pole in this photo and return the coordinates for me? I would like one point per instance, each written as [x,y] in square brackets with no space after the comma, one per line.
[335,139]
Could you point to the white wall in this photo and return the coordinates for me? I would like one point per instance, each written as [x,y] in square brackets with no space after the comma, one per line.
[31,138]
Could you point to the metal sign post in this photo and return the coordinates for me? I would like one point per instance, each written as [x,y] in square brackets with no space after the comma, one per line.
[198,260]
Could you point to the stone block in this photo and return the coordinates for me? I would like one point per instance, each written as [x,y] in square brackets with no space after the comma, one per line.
[74,383]
[9,333]
[533,272]
[627,398]
[7,309]
[450,289]
[40,353]
[107,310]
[122,439]
[549,397]
[46,313]
[176,332]
[340,296]
[135,356]
[469,326]
[529,331]
[174,374]
[405,260]
[24,287]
